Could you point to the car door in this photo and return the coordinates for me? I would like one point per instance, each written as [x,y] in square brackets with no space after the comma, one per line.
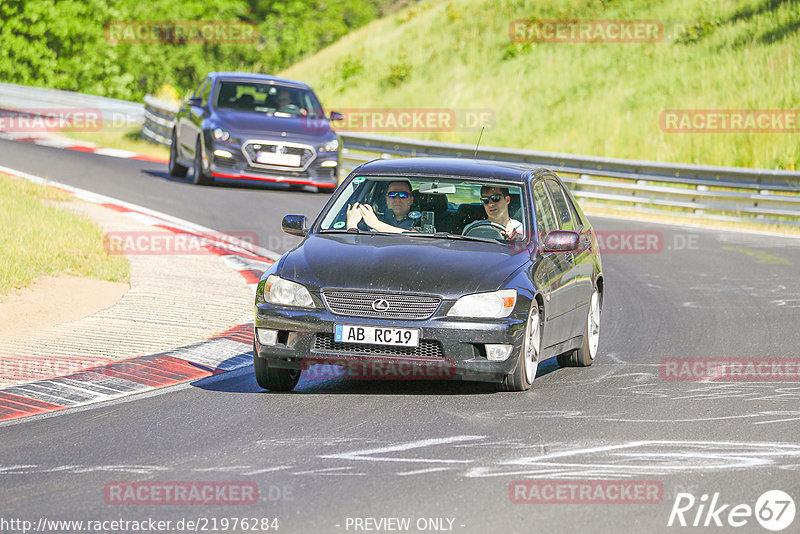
[552,271]
[579,279]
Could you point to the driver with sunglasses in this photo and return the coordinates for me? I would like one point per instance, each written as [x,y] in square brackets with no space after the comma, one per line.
[495,203]
[395,220]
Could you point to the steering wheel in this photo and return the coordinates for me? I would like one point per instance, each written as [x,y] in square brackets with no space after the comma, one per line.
[290,108]
[485,228]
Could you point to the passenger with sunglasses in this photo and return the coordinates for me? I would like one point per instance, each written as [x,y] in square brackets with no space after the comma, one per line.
[395,220]
[495,201]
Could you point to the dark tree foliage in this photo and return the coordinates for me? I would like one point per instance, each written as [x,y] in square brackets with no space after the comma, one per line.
[66,44]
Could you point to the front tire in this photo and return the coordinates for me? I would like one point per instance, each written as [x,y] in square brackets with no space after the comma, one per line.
[585,355]
[200,177]
[175,169]
[274,378]
[528,358]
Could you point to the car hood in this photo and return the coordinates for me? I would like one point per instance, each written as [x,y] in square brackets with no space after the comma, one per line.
[250,123]
[401,263]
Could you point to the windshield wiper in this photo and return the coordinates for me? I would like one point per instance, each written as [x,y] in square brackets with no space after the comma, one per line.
[354,231]
[448,235]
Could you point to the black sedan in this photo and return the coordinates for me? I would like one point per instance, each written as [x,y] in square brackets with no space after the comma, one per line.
[434,268]
[255,128]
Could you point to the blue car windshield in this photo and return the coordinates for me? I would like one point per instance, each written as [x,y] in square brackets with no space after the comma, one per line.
[442,207]
[278,100]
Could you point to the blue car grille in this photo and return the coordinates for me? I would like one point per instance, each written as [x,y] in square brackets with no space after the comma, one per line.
[306,155]
[400,306]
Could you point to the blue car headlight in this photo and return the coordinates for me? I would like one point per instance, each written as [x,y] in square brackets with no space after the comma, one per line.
[330,146]
[221,135]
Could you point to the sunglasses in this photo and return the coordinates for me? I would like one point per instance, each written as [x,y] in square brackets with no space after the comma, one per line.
[494,198]
[397,194]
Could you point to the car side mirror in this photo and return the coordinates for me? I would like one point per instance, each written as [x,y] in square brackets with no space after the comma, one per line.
[336,116]
[195,101]
[295,225]
[561,241]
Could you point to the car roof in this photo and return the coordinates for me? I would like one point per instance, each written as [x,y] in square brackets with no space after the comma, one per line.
[252,76]
[457,167]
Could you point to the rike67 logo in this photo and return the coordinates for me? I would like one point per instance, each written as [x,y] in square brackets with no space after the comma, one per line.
[774,510]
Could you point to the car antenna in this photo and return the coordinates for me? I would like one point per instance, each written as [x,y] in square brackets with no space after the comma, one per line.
[475,156]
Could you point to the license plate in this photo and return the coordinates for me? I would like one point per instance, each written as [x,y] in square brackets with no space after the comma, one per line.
[271,158]
[376,335]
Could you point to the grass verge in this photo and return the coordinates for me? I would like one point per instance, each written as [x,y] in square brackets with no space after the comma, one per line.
[600,98]
[41,239]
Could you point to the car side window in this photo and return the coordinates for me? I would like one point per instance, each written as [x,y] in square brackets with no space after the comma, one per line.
[562,209]
[545,217]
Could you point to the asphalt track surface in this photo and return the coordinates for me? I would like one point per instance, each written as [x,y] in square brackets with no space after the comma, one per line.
[337,450]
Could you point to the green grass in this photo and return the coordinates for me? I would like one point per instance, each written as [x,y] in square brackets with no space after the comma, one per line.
[131,141]
[594,98]
[40,239]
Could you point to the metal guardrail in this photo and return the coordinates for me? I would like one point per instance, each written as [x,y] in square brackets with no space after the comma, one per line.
[159,118]
[731,193]
[116,113]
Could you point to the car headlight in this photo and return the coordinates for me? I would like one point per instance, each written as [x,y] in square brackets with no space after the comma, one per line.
[221,135]
[330,146]
[286,293]
[496,304]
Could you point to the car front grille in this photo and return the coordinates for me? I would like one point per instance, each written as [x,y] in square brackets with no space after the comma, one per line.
[251,148]
[367,304]
[426,348]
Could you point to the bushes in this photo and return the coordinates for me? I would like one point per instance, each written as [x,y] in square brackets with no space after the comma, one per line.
[62,44]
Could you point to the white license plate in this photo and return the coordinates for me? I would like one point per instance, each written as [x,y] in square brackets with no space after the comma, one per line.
[271,158]
[376,335]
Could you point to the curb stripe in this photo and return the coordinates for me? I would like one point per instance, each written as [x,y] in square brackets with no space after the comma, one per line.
[14,406]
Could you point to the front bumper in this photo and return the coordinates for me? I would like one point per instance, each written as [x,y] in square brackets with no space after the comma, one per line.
[318,172]
[449,348]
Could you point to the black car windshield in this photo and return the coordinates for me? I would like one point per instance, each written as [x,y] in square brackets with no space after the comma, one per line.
[447,208]
[279,100]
